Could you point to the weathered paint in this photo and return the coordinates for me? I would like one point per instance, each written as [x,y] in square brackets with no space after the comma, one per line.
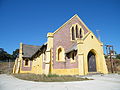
[62,38]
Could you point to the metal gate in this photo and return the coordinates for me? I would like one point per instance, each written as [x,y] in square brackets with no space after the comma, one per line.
[91,62]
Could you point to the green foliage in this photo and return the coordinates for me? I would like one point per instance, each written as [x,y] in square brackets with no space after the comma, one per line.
[15,53]
[118,56]
[52,75]
[4,56]
[106,57]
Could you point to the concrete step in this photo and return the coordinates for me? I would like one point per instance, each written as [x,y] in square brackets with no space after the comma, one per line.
[95,73]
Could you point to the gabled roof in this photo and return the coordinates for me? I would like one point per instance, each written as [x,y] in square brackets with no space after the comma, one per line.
[29,50]
[76,16]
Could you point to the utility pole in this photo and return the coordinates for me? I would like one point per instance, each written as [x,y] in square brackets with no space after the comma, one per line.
[110,52]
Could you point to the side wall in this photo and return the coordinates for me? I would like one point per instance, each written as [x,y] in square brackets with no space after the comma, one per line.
[35,66]
[25,69]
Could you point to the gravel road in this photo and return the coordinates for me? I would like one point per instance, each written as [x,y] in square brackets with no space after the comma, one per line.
[104,82]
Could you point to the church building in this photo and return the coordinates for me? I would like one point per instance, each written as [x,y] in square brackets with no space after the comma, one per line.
[72,49]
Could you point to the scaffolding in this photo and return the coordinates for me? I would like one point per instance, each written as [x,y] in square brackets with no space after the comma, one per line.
[111,53]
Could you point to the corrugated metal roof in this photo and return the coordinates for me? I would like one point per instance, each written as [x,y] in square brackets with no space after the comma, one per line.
[29,50]
[72,48]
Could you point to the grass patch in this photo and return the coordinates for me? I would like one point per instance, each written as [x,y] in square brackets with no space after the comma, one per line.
[49,78]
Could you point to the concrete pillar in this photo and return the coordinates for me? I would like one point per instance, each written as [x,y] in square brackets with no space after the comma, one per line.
[14,67]
[80,56]
[49,54]
[19,60]
[21,51]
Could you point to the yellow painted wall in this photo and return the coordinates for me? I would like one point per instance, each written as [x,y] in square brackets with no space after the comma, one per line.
[93,44]
[89,44]
[21,71]
[36,66]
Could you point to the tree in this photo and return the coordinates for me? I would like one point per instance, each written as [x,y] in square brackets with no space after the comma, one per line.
[118,56]
[4,56]
[106,57]
[15,54]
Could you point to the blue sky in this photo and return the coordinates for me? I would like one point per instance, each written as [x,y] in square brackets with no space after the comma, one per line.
[29,21]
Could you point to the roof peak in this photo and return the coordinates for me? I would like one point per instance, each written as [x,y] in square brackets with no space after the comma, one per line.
[75,15]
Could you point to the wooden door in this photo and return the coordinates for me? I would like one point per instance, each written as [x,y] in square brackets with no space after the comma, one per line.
[91,62]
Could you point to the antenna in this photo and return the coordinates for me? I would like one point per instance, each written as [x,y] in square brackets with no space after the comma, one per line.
[98,34]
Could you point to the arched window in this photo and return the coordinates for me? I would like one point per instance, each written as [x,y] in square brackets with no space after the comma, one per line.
[73,34]
[59,54]
[76,32]
[81,33]
[77,36]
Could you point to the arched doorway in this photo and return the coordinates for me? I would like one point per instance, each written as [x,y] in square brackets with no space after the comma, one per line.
[91,62]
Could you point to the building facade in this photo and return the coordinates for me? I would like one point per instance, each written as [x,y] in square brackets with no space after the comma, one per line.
[71,50]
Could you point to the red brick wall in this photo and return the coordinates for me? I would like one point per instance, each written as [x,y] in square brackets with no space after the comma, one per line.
[62,38]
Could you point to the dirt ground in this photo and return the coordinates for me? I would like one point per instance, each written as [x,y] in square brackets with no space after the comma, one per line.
[116,66]
[104,82]
[6,67]
[100,82]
